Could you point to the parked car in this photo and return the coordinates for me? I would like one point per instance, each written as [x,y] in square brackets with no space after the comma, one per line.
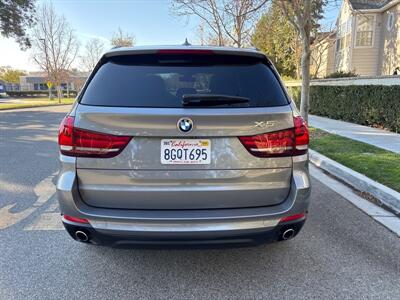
[183,145]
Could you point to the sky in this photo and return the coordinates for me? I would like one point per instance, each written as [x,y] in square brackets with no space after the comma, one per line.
[150,21]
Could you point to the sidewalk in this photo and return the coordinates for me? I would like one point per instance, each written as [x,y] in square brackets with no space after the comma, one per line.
[373,136]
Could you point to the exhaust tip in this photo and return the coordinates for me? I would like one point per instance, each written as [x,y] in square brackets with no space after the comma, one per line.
[288,234]
[81,236]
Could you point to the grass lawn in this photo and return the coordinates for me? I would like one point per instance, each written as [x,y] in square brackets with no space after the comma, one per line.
[33,102]
[380,165]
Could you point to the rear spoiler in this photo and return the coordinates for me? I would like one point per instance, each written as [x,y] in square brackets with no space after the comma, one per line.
[122,51]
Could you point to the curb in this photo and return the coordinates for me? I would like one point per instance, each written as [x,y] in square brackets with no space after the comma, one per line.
[386,195]
[378,213]
[32,107]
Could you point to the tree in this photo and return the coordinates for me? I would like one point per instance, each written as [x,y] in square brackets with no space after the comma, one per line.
[55,45]
[201,34]
[10,75]
[209,38]
[94,48]
[15,18]
[226,20]
[277,38]
[121,39]
[206,10]
[303,15]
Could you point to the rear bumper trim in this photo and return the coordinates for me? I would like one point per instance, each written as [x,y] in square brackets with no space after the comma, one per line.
[185,226]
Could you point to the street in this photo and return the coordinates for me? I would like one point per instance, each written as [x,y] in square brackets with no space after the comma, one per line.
[340,253]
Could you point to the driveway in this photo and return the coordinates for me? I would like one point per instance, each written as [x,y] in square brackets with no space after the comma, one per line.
[341,252]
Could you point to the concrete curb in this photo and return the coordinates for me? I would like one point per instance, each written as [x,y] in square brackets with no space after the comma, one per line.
[386,195]
[379,214]
[16,109]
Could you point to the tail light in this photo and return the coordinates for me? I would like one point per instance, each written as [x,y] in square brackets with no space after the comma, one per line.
[84,143]
[301,136]
[288,142]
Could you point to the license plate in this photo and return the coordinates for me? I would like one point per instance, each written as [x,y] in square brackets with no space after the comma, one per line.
[185,152]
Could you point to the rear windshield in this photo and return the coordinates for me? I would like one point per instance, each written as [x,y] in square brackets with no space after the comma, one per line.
[164,80]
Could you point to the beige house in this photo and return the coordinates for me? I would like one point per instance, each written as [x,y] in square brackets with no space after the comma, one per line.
[322,55]
[367,39]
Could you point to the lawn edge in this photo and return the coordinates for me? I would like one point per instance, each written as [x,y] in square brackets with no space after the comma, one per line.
[386,195]
[36,106]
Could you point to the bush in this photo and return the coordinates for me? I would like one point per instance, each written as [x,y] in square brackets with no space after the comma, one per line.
[341,74]
[371,105]
[38,93]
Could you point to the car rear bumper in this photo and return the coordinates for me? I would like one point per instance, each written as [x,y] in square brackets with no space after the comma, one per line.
[203,226]
[236,237]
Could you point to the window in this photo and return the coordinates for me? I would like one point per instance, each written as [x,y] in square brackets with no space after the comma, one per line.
[343,43]
[151,81]
[390,21]
[338,45]
[365,30]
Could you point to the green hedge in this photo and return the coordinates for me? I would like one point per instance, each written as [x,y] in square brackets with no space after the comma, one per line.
[372,105]
[38,93]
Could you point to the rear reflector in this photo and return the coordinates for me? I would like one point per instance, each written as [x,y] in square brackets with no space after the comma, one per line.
[84,143]
[288,142]
[292,218]
[75,219]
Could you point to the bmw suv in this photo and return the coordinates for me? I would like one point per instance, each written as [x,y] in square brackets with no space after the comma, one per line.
[183,145]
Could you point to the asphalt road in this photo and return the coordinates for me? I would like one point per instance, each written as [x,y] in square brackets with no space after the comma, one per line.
[341,252]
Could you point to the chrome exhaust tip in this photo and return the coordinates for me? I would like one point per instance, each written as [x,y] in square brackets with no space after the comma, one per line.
[288,234]
[81,236]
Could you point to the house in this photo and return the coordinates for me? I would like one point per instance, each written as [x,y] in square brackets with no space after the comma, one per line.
[323,54]
[367,40]
[37,81]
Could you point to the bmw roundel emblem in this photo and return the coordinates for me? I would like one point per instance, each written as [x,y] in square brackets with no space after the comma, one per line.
[185,125]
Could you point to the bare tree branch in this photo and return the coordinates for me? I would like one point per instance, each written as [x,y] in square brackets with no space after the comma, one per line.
[93,50]
[122,39]
[230,20]
[55,46]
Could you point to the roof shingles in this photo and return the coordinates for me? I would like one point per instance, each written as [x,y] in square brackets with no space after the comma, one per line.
[368,4]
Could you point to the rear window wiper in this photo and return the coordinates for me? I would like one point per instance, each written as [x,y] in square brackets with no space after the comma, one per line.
[211,99]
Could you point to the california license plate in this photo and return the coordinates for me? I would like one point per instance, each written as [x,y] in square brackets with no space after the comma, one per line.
[185,152]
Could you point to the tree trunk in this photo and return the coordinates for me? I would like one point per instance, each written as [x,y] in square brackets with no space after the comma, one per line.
[298,70]
[305,80]
[59,93]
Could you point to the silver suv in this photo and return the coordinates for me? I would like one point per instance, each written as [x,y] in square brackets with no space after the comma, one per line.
[183,145]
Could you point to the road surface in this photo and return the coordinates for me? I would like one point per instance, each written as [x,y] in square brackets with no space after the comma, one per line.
[341,252]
